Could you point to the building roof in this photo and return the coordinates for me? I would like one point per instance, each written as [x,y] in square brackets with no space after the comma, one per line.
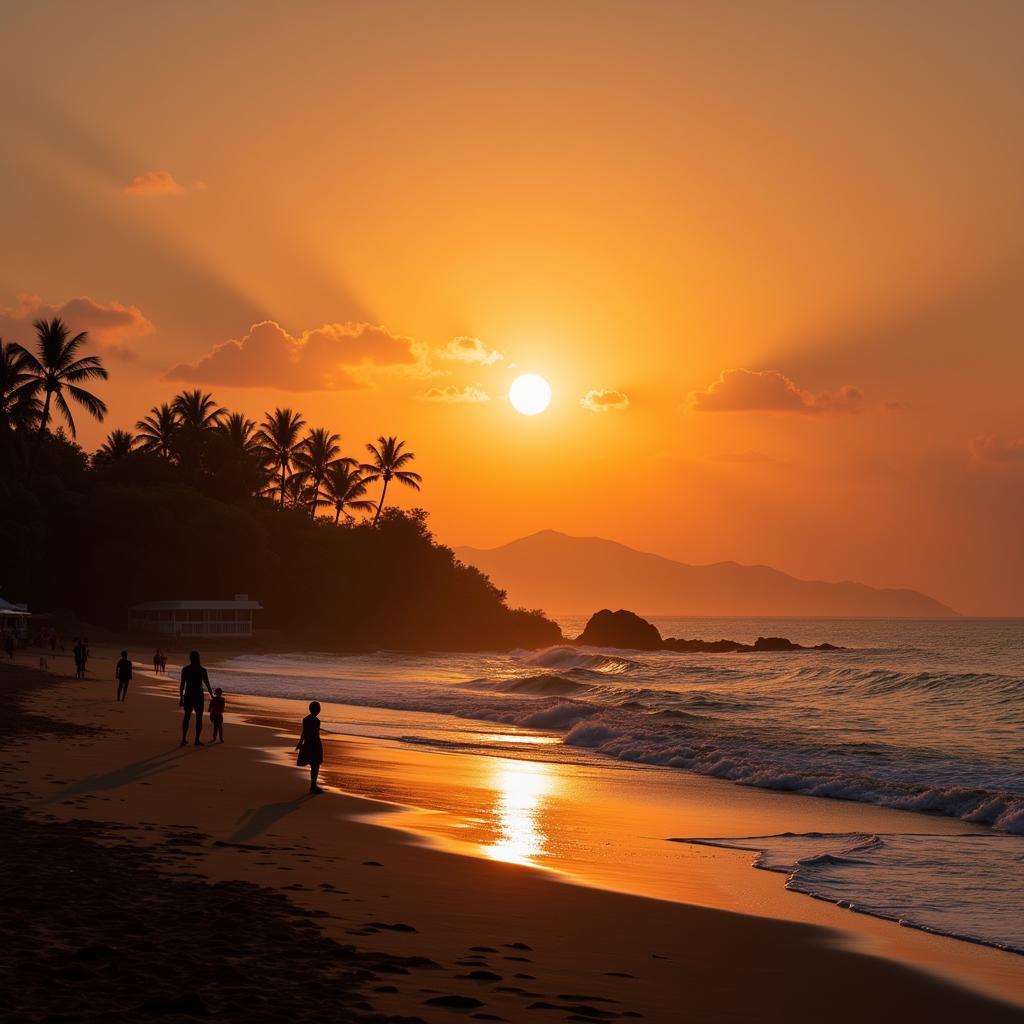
[171,606]
[6,608]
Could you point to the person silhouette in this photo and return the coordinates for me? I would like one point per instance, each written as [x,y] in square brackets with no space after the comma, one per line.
[311,750]
[217,715]
[190,695]
[123,675]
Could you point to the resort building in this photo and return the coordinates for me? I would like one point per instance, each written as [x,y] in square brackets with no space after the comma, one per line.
[196,618]
[14,619]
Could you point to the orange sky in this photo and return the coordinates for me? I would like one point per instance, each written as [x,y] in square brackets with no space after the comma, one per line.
[638,198]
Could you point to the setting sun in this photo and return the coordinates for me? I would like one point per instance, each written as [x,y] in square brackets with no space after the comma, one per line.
[530,394]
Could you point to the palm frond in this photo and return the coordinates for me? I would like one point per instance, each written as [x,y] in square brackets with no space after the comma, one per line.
[96,407]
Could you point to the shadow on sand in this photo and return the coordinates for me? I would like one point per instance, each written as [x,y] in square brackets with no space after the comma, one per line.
[134,772]
[255,821]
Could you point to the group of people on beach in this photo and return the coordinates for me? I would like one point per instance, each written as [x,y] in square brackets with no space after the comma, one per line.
[80,652]
[192,691]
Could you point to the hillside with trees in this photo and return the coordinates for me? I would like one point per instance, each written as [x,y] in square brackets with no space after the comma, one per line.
[200,502]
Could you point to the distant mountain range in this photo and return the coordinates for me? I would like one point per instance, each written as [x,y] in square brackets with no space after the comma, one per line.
[576,575]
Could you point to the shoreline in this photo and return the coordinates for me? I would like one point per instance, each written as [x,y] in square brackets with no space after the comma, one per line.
[418,788]
[296,845]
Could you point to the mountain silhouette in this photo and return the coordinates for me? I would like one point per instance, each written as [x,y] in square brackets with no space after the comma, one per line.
[567,575]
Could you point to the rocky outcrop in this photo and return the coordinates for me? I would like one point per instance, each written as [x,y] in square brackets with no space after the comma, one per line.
[620,629]
[762,643]
[627,630]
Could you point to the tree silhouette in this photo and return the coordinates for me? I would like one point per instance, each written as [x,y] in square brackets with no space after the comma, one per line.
[344,487]
[319,451]
[158,431]
[19,408]
[57,370]
[388,464]
[279,437]
[197,411]
[240,433]
[118,445]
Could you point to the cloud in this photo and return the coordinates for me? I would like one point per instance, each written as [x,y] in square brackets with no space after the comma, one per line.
[110,325]
[996,449]
[748,456]
[770,391]
[604,400]
[155,183]
[451,393]
[469,350]
[329,358]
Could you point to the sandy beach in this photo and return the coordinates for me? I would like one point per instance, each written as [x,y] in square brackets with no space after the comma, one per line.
[206,881]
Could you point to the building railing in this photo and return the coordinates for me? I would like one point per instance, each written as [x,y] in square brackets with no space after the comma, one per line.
[193,628]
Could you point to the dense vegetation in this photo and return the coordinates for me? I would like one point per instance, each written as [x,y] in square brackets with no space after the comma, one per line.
[202,503]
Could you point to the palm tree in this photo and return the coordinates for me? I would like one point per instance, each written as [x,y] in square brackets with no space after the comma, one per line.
[19,408]
[279,438]
[387,465]
[197,411]
[319,451]
[240,432]
[57,370]
[344,487]
[158,431]
[118,444]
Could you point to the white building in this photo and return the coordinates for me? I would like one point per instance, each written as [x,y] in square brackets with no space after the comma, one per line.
[196,618]
[14,619]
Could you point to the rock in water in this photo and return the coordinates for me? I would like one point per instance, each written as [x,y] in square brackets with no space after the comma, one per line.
[620,629]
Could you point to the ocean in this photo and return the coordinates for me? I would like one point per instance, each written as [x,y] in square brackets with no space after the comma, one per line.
[921,716]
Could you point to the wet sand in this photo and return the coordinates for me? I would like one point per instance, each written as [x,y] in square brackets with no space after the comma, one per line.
[394,931]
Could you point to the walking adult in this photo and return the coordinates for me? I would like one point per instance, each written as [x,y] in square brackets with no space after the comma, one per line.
[123,675]
[191,696]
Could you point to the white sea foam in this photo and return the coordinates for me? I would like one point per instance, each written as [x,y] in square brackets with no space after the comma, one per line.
[949,884]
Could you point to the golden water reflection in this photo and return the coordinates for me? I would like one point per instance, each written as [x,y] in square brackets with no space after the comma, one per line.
[521,788]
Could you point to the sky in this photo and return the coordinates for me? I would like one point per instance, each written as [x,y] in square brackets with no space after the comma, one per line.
[767,255]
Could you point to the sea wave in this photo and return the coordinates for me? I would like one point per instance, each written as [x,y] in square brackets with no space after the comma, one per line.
[551,684]
[562,658]
[812,772]
[951,885]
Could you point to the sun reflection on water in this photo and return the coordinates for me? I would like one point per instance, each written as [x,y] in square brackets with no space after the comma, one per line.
[521,789]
